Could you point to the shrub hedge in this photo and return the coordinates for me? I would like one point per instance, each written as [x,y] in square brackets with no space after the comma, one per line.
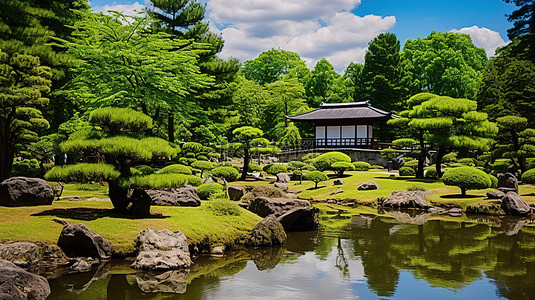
[205,190]
[325,160]
[176,169]
[362,166]
[467,178]
[406,171]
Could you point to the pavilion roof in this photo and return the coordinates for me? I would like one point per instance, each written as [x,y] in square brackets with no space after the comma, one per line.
[343,111]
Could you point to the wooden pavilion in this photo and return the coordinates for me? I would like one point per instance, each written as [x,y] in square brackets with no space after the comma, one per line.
[343,125]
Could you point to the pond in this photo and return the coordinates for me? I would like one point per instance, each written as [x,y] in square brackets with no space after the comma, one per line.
[367,257]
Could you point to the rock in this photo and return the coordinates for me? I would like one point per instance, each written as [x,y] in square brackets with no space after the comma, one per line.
[405,218]
[283,177]
[235,192]
[174,281]
[507,182]
[52,252]
[16,283]
[140,202]
[71,198]
[182,196]
[406,199]
[361,221]
[218,250]
[338,181]
[267,258]
[81,266]
[369,185]
[436,210]
[397,162]
[300,219]
[495,194]
[263,206]
[76,240]
[514,205]
[338,191]
[455,212]
[268,191]
[271,178]
[24,191]
[20,253]
[255,175]
[268,232]
[161,250]
[332,201]
[490,207]
[209,180]
[512,225]
[282,186]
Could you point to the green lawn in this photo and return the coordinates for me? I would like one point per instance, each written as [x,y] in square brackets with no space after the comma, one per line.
[199,224]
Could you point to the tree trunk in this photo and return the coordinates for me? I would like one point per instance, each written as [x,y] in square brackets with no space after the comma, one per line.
[463,191]
[422,157]
[440,154]
[171,127]
[6,158]
[245,162]
[118,196]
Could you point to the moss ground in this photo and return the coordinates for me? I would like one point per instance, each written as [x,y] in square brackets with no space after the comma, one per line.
[199,224]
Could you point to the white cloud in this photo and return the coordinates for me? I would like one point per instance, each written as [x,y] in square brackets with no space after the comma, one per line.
[133,9]
[484,38]
[314,29]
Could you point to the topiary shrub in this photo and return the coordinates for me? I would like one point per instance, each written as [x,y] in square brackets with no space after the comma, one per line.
[205,190]
[500,165]
[276,168]
[214,155]
[310,156]
[362,166]
[406,171]
[493,181]
[449,158]
[191,147]
[203,165]
[25,167]
[340,167]
[430,172]
[254,168]
[176,169]
[202,158]
[377,167]
[190,155]
[530,163]
[145,170]
[227,173]
[316,177]
[528,176]
[324,161]
[161,181]
[83,172]
[412,164]
[469,162]
[467,178]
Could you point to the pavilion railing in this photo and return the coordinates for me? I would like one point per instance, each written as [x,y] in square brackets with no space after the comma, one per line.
[312,143]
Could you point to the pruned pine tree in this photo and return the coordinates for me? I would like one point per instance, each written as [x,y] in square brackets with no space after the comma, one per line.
[117,140]
[246,135]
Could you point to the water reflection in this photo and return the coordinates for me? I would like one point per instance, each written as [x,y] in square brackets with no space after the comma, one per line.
[395,255]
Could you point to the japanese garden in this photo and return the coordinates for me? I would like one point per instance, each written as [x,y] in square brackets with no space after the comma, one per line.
[136,162]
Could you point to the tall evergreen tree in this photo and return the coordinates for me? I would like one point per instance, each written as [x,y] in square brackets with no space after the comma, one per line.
[523,28]
[274,64]
[319,82]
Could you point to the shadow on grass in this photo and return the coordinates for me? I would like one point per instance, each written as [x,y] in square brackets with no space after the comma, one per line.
[410,179]
[90,214]
[459,196]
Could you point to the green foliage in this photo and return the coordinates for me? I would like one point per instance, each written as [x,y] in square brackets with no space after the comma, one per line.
[388,153]
[316,177]
[175,169]
[470,162]
[145,170]
[214,155]
[341,166]
[88,186]
[406,171]
[320,84]
[205,190]
[192,147]
[310,156]
[82,172]
[416,188]
[272,65]
[500,165]
[325,160]
[493,181]
[377,167]
[286,98]
[450,157]
[276,168]
[203,165]
[227,173]
[430,172]
[291,135]
[160,181]
[362,166]
[254,168]
[224,207]
[528,176]
[117,120]
[412,164]
[25,167]
[467,178]
[202,158]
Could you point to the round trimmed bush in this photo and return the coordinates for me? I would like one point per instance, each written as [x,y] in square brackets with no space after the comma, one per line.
[276,168]
[500,165]
[493,181]
[202,157]
[324,161]
[316,177]
[362,166]
[449,158]
[203,165]
[176,169]
[254,168]
[528,176]
[406,171]
[377,167]
[310,156]
[412,164]
[430,172]
[341,166]
[227,173]
[467,178]
[470,162]
[145,170]
[205,190]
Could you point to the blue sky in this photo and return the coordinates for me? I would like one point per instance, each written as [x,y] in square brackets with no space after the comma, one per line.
[340,30]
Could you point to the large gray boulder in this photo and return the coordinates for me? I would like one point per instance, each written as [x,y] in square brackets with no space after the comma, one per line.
[24,191]
[406,199]
[182,196]
[235,192]
[507,182]
[282,186]
[268,232]
[495,194]
[514,205]
[397,162]
[76,240]
[161,250]
[283,177]
[300,219]
[264,206]
[368,185]
[174,281]
[16,283]
[338,181]
[20,253]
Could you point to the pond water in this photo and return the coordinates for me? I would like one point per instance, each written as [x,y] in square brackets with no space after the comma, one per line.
[366,257]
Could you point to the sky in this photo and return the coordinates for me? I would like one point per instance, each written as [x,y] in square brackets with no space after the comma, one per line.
[339,30]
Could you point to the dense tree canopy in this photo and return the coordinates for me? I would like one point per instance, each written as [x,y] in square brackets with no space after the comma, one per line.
[523,28]
[272,65]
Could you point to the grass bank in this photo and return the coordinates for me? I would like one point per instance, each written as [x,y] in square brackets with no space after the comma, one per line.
[199,224]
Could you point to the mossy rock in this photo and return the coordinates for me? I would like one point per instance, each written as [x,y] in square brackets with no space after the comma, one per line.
[486,208]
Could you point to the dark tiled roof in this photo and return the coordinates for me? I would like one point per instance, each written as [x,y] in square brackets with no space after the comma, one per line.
[338,111]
